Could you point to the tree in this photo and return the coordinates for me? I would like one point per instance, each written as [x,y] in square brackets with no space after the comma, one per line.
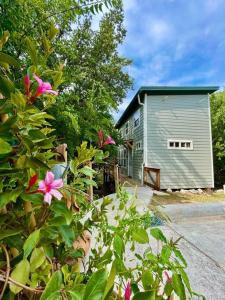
[218,134]
[94,81]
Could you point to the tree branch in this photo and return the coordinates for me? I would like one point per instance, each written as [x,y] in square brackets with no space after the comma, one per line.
[7,270]
[62,12]
[10,280]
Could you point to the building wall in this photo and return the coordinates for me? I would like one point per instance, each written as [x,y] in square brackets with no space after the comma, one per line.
[180,117]
[136,156]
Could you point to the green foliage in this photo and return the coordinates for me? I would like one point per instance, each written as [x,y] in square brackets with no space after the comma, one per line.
[96,285]
[43,246]
[31,242]
[94,80]
[218,134]
[53,287]
[20,274]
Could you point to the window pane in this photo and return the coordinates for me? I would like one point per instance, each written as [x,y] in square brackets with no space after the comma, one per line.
[188,145]
[171,144]
[177,144]
[182,145]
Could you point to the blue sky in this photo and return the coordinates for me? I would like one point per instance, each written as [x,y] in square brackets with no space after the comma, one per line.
[174,42]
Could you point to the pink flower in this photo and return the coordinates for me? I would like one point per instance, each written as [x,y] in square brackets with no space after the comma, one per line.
[49,187]
[127,292]
[167,276]
[27,85]
[43,88]
[108,141]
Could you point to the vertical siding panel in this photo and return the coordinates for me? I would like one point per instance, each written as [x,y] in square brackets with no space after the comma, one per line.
[181,117]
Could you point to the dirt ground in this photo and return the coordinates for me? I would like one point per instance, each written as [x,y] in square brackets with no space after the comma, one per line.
[176,197]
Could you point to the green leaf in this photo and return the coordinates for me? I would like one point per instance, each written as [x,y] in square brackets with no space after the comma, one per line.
[87,171]
[6,86]
[165,253]
[9,232]
[158,235]
[67,234]
[147,279]
[180,256]
[4,38]
[18,99]
[36,135]
[37,258]
[118,245]
[32,51]
[53,286]
[140,235]
[31,242]
[20,274]
[178,286]
[77,292]
[60,209]
[185,280]
[9,196]
[8,59]
[110,282]
[55,296]
[36,199]
[4,147]
[168,289]
[96,286]
[148,295]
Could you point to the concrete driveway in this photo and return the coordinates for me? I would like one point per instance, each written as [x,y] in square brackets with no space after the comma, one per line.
[202,228]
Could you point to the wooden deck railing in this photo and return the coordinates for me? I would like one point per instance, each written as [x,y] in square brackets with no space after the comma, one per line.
[110,172]
[152,177]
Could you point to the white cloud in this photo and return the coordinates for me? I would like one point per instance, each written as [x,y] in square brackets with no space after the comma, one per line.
[158,30]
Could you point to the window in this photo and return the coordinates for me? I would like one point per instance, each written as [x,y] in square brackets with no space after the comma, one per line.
[138,145]
[180,144]
[127,128]
[136,118]
[123,157]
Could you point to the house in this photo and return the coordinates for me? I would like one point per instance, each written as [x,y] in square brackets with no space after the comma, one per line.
[167,137]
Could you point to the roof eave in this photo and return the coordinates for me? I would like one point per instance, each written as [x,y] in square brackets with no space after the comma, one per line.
[159,90]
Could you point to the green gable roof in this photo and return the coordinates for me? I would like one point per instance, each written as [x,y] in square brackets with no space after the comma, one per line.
[163,90]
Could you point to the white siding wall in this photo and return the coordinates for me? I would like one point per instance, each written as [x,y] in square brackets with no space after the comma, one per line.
[180,117]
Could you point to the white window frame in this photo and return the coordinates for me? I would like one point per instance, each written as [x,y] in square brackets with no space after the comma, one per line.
[125,158]
[135,118]
[180,142]
[126,128]
[138,145]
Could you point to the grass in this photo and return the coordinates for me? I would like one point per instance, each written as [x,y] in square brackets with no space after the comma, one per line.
[173,198]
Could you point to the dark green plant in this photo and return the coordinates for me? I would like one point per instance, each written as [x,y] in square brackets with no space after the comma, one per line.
[218,134]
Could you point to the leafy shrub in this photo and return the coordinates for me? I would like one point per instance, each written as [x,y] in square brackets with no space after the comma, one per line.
[45,222]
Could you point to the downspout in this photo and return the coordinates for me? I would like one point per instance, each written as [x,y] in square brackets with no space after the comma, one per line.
[144,105]
[211,141]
